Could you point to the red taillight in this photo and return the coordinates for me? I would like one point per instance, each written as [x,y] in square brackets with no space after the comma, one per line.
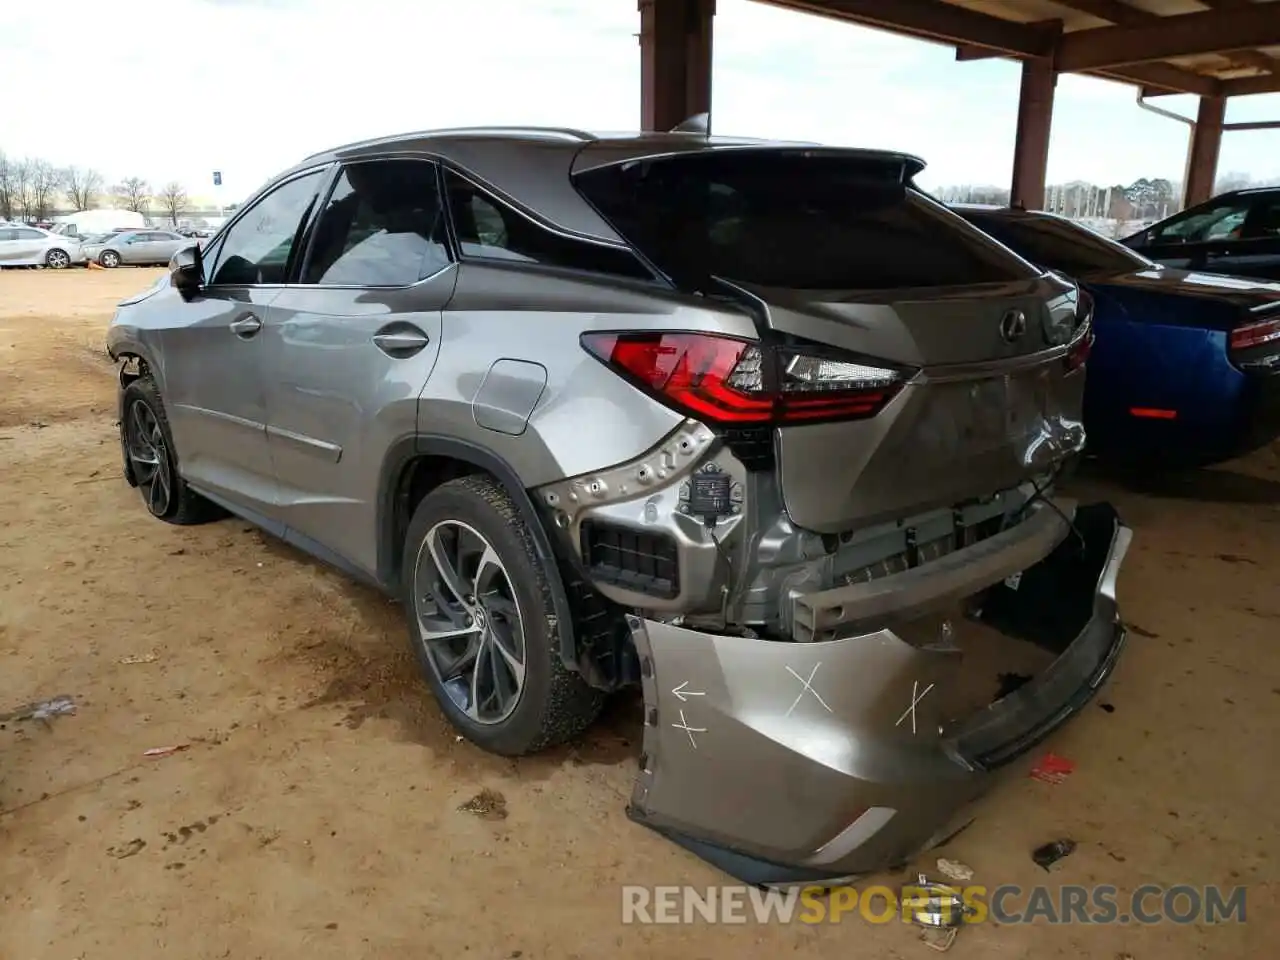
[1255,334]
[723,380]
[1079,350]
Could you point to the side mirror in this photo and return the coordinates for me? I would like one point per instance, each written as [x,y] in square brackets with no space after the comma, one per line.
[186,271]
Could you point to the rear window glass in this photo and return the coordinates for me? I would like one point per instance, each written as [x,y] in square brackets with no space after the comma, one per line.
[793,219]
[1059,245]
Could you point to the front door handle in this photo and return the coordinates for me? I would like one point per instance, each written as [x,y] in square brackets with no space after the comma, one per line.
[246,327]
[401,341]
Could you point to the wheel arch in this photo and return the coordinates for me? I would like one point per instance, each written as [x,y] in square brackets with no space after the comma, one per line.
[417,463]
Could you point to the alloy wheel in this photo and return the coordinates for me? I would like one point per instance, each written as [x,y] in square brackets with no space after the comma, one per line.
[149,458]
[470,621]
[110,259]
[57,260]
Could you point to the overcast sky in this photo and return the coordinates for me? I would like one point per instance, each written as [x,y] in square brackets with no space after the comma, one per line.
[174,89]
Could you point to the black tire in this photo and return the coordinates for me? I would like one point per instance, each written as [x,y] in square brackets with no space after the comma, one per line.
[109,259]
[146,437]
[554,704]
[57,259]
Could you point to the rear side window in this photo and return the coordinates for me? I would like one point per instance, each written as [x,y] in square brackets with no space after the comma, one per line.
[489,229]
[383,226]
[787,218]
[1058,244]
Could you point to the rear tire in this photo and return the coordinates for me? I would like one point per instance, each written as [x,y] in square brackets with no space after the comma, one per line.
[483,624]
[149,461]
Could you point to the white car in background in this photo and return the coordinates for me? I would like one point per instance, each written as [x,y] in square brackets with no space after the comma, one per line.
[22,246]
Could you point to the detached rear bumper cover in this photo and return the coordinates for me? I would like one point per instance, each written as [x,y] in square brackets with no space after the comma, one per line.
[808,762]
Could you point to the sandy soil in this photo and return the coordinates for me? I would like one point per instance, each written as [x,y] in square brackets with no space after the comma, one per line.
[316,813]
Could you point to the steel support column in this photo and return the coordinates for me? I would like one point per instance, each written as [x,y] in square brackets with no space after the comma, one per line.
[675,61]
[1202,158]
[1031,147]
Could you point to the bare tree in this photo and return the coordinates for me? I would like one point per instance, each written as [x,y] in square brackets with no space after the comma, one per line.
[174,200]
[82,187]
[1232,181]
[134,193]
[22,188]
[9,201]
[45,179]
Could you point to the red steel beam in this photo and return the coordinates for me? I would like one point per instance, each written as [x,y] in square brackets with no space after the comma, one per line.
[1202,158]
[1031,142]
[675,61]
[1210,31]
[933,20]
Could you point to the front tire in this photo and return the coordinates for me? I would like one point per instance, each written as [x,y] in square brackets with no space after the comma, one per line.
[483,624]
[149,462]
[109,259]
[57,259]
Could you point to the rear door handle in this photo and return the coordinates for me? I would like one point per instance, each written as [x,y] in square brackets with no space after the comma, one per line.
[400,341]
[246,327]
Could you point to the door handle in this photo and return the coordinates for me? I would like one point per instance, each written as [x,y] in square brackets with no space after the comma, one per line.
[403,341]
[246,326]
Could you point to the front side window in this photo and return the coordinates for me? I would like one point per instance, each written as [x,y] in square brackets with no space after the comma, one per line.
[1216,221]
[489,229]
[382,227]
[1059,244]
[794,219]
[258,247]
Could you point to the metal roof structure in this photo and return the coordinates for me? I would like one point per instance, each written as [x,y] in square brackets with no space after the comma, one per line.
[1214,49]
[1219,48]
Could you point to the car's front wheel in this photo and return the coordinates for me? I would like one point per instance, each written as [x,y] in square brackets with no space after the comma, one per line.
[109,258]
[57,259]
[483,624]
[149,461]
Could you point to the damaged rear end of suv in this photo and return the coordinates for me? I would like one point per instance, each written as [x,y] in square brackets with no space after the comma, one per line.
[850,586]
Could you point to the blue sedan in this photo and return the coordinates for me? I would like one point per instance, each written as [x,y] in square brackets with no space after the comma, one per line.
[1185,369]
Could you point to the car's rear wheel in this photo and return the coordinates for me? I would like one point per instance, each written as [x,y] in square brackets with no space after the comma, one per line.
[483,624]
[149,461]
[57,259]
[109,258]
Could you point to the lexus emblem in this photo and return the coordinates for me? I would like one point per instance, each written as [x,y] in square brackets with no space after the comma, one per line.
[1012,326]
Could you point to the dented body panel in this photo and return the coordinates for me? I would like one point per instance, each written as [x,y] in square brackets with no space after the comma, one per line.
[810,762]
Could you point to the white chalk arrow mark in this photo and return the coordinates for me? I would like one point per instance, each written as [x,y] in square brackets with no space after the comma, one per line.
[682,694]
[689,731]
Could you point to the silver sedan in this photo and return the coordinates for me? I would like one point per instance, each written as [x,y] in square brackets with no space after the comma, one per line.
[22,246]
[137,247]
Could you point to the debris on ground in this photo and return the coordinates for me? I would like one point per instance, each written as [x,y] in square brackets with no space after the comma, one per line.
[931,904]
[1049,854]
[939,939]
[954,869]
[1107,708]
[139,658]
[165,751]
[487,804]
[41,709]
[126,850]
[1052,768]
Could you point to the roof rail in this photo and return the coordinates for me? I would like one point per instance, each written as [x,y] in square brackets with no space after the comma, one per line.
[560,133]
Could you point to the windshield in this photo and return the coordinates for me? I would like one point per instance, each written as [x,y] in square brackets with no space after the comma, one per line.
[1059,244]
[799,219]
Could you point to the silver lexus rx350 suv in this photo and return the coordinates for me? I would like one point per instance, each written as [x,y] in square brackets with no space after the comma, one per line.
[757,427]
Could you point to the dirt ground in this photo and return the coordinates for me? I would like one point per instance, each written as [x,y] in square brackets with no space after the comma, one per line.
[315,811]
